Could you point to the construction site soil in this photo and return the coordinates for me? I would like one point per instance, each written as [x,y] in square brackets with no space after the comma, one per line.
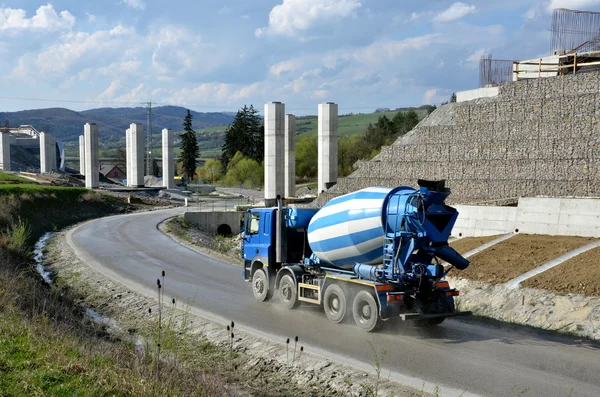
[467,244]
[578,275]
[517,255]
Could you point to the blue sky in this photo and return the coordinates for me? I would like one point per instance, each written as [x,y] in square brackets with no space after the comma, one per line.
[213,55]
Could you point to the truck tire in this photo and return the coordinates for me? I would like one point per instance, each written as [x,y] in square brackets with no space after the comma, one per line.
[334,303]
[260,285]
[288,292]
[365,311]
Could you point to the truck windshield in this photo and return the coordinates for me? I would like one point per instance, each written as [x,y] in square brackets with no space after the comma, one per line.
[253,224]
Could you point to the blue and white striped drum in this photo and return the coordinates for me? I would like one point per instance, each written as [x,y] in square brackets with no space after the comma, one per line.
[349,229]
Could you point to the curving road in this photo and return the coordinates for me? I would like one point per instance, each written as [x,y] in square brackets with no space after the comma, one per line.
[480,357]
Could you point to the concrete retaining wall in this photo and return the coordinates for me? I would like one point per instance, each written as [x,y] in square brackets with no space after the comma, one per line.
[538,137]
[486,92]
[217,222]
[553,216]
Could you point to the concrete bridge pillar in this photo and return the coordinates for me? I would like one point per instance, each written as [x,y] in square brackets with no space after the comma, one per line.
[47,153]
[274,151]
[82,155]
[92,166]
[135,156]
[167,159]
[290,156]
[5,151]
[328,145]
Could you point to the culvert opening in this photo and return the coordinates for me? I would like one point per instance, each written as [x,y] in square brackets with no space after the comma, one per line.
[224,230]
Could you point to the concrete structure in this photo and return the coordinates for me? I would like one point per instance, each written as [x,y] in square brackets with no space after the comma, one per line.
[487,92]
[47,153]
[92,171]
[274,151]
[82,155]
[538,137]
[5,151]
[218,222]
[168,160]
[289,157]
[533,68]
[328,145]
[127,153]
[553,216]
[135,155]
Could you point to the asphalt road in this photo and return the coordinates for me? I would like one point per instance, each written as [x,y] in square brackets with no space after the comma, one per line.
[479,357]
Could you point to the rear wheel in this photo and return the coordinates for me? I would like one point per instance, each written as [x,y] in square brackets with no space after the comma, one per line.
[334,303]
[260,285]
[365,311]
[288,293]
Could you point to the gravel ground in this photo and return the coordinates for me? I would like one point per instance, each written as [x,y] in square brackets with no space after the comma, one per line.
[263,366]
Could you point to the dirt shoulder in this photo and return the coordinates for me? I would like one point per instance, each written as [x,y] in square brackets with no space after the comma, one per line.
[255,366]
[464,245]
[517,255]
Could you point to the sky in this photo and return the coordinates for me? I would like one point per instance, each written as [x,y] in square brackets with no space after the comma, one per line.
[218,55]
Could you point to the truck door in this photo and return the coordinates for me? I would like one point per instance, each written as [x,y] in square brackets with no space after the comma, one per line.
[257,236]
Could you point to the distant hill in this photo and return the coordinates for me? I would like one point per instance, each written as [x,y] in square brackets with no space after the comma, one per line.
[67,125]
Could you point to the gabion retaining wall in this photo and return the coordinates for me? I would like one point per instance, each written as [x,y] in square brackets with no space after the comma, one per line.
[537,137]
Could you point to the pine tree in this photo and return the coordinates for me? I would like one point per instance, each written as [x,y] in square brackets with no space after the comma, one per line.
[189,148]
[245,135]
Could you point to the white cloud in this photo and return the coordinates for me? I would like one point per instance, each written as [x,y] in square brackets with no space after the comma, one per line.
[136,4]
[476,56]
[285,67]
[216,93]
[572,4]
[295,16]
[456,11]
[110,92]
[74,48]
[429,96]
[383,52]
[138,94]
[45,19]
[91,17]
[180,52]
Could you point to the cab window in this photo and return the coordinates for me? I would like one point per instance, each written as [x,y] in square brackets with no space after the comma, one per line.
[253,224]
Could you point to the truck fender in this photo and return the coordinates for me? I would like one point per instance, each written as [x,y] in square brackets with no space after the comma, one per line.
[295,271]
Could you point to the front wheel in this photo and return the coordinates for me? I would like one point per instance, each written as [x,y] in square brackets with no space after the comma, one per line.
[288,294]
[260,285]
[365,311]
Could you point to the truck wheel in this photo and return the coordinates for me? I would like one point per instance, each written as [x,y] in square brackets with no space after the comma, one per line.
[260,285]
[334,303]
[365,311]
[288,293]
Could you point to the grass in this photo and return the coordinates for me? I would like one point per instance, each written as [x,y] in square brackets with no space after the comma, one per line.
[6,178]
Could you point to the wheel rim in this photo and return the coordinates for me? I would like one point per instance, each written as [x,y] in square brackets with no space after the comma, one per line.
[365,312]
[286,292]
[259,285]
[334,304]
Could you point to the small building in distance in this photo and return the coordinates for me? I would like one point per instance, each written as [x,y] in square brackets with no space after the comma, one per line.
[112,171]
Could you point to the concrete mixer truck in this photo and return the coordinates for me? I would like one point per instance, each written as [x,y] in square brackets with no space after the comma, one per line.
[377,253]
